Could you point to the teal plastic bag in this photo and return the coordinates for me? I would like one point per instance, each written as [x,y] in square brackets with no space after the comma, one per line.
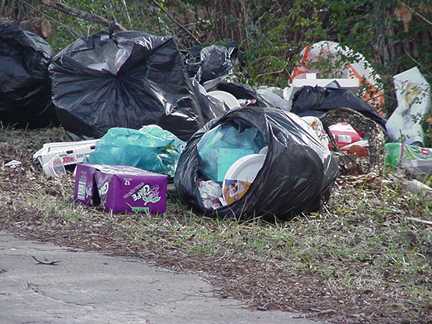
[219,148]
[151,148]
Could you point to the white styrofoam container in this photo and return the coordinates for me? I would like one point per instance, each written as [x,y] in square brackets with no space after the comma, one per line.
[69,152]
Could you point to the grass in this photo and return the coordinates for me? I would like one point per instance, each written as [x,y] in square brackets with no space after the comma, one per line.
[359,260]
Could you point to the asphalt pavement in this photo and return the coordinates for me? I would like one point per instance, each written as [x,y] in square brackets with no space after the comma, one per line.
[89,287]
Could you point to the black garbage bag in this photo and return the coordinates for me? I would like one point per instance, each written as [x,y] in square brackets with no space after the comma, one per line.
[24,79]
[127,79]
[192,60]
[297,174]
[216,61]
[317,101]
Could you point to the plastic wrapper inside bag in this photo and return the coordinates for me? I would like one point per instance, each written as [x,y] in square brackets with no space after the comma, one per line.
[316,124]
[151,148]
[211,194]
[24,79]
[220,147]
[344,134]
[127,79]
[297,174]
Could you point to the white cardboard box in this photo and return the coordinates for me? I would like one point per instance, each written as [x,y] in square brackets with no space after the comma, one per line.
[352,84]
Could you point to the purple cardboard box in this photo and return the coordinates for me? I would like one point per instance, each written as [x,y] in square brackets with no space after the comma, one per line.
[120,188]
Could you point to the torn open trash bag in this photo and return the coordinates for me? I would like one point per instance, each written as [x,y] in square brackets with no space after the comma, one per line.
[24,79]
[128,79]
[297,174]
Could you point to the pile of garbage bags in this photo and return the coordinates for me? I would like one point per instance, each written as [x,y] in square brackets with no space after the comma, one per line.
[127,79]
[296,175]
[24,80]
[151,114]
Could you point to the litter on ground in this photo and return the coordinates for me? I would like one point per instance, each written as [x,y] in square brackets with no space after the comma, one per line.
[145,112]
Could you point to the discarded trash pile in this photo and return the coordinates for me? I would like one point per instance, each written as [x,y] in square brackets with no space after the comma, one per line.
[359,150]
[316,101]
[355,130]
[255,162]
[24,80]
[231,150]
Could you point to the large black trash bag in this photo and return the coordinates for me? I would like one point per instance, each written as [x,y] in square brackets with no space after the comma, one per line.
[24,79]
[128,79]
[297,175]
[216,61]
[317,101]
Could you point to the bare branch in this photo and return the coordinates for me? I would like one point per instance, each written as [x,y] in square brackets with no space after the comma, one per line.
[417,13]
[418,220]
[55,262]
[127,13]
[54,4]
